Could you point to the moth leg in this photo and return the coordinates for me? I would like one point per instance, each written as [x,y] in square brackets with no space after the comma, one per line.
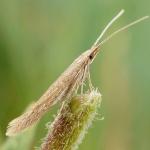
[89,80]
[76,91]
[82,88]
[83,78]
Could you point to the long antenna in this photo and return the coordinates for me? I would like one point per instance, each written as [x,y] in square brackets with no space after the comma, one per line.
[122,29]
[107,27]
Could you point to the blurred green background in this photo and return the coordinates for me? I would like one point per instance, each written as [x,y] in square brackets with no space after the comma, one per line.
[39,39]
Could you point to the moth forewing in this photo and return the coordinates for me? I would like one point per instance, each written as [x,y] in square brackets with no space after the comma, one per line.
[62,89]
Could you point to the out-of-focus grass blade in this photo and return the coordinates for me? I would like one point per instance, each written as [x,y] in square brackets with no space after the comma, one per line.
[23,141]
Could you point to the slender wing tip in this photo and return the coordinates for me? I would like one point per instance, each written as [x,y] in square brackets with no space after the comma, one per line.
[12,128]
[9,133]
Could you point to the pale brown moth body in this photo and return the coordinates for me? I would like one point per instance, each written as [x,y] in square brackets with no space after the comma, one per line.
[62,89]
[66,85]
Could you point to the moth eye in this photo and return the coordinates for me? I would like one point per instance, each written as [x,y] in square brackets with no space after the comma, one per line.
[91,57]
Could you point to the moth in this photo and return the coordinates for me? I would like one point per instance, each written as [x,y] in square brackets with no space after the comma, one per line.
[67,83]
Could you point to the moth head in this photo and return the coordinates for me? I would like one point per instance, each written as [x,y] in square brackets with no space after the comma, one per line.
[93,53]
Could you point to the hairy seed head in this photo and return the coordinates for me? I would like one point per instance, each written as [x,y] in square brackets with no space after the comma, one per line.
[72,122]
